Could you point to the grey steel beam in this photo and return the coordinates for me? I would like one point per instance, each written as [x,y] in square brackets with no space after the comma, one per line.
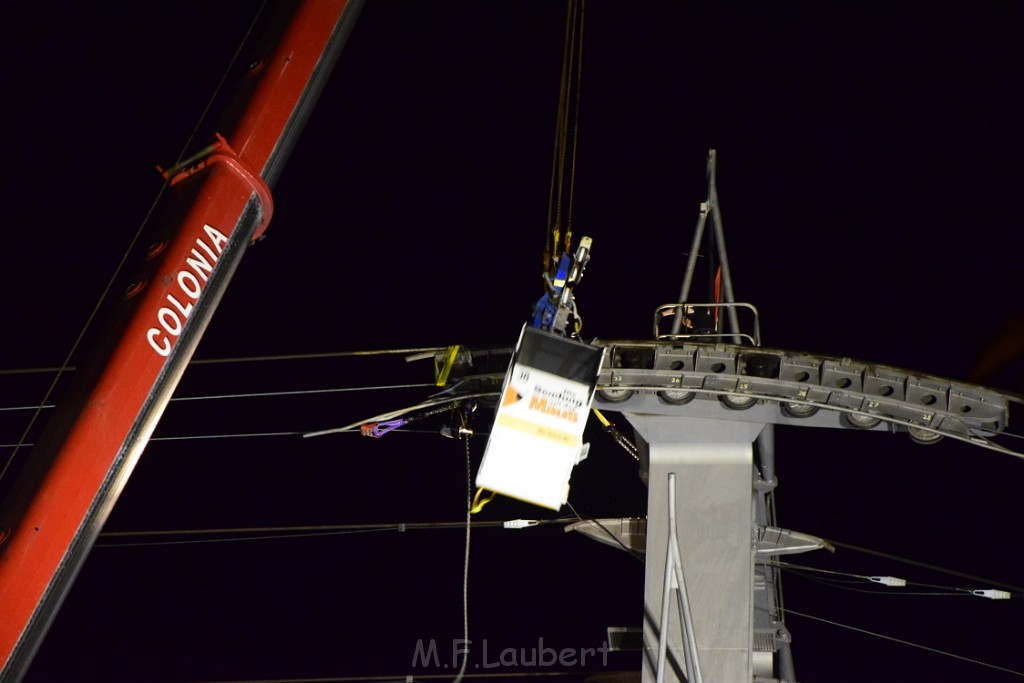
[711,462]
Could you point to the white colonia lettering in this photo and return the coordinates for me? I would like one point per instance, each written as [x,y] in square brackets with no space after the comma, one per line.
[190,279]
[199,264]
[189,284]
[169,320]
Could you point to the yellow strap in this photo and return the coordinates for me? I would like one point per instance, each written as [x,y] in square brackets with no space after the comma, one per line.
[441,372]
[479,504]
[556,254]
[604,420]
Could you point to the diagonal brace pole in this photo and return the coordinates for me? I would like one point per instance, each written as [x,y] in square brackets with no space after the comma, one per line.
[676,582]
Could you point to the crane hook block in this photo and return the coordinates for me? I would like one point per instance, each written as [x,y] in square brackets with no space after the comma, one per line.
[557,307]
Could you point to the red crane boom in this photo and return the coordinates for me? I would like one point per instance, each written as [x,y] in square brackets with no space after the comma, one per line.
[216,205]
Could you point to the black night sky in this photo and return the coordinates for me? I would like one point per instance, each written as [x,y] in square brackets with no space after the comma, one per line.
[870,174]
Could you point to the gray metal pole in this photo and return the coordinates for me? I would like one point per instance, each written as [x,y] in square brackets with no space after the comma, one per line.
[691,264]
[693,674]
[787,672]
[766,453]
[723,257]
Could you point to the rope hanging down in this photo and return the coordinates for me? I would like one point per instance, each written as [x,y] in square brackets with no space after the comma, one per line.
[561,196]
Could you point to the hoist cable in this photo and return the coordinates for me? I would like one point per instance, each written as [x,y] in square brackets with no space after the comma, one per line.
[575,129]
[131,245]
[571,55]
[552,238]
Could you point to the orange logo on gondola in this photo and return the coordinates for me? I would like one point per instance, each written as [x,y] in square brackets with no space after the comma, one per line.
[511,396]
[559,410]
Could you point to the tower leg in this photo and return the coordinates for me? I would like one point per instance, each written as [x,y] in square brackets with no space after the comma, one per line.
[711,461]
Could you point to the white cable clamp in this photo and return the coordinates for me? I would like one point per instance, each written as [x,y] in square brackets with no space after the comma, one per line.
[992,594]
[520,523]
[889,580]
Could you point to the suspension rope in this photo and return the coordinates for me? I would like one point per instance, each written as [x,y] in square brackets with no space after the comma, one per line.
[923,565]
[327,354]
[882,585]
[283,531]
[237,535]
[263,394]
[253,359]
[246,435]
[131,245]
[636,555]
[903,642]
[304,392]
